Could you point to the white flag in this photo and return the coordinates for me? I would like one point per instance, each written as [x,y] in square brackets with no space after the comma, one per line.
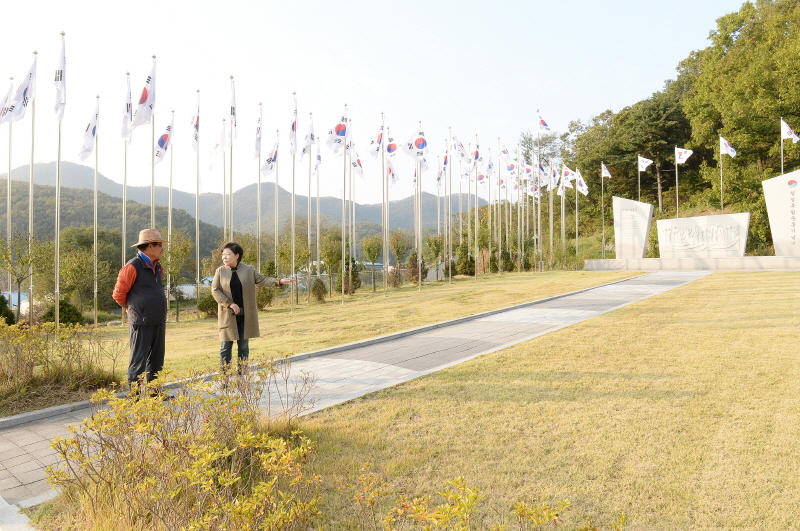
[423,164]
[787,133]
[581,184]
[553,177]
[293,131]
[603,172]
[318,162]
[725,148]
[6,103]
[60,81]
[219,147]
[505,154]
[26,92]
[377,142]
[355,163]
[147,101]
[681,155]
[477,158]
[338,133]
[308,141]
[163,142]
[542,124]
[269,164]
[489,164]
[233,111]
[196,126]
[417,146]
[644,163]
[127,116]
[461,152]
[391,174]
[89,134]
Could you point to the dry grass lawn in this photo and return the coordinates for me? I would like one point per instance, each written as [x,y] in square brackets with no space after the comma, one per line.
[682,410]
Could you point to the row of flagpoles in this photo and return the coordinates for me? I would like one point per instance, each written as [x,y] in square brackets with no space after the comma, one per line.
[530,177]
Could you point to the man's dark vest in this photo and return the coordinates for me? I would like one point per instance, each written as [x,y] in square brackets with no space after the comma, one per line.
[147,302]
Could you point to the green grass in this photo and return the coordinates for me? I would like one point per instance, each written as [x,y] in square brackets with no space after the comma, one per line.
[682,410]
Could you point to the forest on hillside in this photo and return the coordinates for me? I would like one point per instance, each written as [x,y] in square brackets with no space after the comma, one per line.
[739,87]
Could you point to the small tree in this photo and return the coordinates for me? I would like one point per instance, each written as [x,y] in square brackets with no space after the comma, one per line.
[372,247]
[17,257]
[175,259]
[435,245]
[411,268]
[331,253]
[400,242]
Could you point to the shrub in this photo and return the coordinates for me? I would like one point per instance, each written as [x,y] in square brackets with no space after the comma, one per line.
[200,461]
[318,290]
[465,265]
[67,314]
[6,315]
[350,264]
[395,278]
[411,268]
[207,305]
[264,297]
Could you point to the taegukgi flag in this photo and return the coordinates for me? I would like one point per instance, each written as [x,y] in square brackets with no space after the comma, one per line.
[787,133]
[26,92]
[127,116]
[581,184]
[293,131]
[257,150]
[417,146]
[355,162]
[6,103]
[89,134]
[644,163]
[163,142]
[60,81]
[338,133]
[376,144]
[219,147]
[147,101]
[233,111]
[725,148]
[391,147]
[391,173]
[603,172]
[681,155]
[309,140]
[460,150]
[542,124]
[196,126]
[272,159]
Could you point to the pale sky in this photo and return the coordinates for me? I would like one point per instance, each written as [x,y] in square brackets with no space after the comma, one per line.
[482,68]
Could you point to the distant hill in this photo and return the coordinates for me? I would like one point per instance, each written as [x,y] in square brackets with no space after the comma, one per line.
[76,176]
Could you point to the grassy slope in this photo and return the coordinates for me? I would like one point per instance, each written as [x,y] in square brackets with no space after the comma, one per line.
[682,410]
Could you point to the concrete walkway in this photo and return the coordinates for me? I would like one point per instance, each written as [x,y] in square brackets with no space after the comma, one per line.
[343,373]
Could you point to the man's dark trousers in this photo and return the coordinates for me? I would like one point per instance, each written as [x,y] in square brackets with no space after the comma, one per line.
[147,351]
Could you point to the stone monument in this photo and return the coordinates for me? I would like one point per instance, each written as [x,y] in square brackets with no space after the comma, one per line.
[632,221]
[723,236]
[782,195]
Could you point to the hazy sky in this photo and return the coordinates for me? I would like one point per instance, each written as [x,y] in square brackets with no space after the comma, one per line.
[479,67]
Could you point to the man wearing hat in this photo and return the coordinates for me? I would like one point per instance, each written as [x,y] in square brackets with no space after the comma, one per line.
[140,289]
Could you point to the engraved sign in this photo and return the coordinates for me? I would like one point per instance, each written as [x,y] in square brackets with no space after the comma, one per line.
[632,221]
[782,195]
[703,236]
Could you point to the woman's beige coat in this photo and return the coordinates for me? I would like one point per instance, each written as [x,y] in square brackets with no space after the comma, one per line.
[221,290]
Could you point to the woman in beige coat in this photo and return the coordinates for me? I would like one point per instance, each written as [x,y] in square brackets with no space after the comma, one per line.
[234,289]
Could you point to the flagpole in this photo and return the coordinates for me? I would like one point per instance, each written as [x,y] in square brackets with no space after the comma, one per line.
[197,210]
[57,242]
[344,206]
[576,216]
[258,194]
[94,247]
[317,217]
[550,208]
[721,190]
[384,229]
[460,208]
[230,180]
[438,199]
[677,202]
[124,186]
[563,217]
[388,209]
[477,249]
[419,222]
[153,165]
[781,145]
[224,187]
[469,204]
[520,239]
[639,172]
[308,221]
[603,207]
[30,211]
[169,207]
[352,221]
[275,250]
[8,211]
[292,232]
[449,211]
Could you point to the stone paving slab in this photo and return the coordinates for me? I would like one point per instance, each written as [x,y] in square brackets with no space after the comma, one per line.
[343,374]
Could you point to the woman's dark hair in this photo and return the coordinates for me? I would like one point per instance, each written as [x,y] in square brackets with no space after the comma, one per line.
[235,249]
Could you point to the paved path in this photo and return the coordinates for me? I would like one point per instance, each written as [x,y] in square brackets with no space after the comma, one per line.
[346,372]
